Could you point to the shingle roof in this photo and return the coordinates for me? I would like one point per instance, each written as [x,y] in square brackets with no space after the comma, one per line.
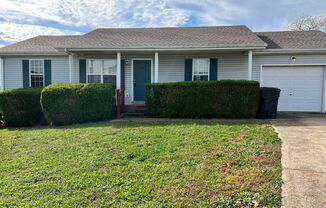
[145,38]
[39,44]
[166,38]
[313,39]
[173,38]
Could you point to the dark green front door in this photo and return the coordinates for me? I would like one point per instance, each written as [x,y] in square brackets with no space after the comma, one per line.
[142,75]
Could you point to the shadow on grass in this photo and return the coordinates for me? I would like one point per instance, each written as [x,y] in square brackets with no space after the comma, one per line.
[141,123]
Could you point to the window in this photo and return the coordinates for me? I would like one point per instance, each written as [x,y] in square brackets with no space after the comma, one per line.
[200,70]
[36,71]
[102,71]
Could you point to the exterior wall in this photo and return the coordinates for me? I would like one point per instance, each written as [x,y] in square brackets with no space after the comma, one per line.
[258,60]
[171,66]
[13,70]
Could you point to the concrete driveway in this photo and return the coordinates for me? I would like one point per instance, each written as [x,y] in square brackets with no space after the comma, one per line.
[303,159]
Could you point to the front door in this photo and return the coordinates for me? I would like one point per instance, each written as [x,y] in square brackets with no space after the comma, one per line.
[142,75]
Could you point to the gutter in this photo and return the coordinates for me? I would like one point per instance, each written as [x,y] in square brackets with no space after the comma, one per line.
[153,49]
[31,54]
[290,51]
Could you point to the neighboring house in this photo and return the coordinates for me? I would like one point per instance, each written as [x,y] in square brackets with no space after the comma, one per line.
[128,58]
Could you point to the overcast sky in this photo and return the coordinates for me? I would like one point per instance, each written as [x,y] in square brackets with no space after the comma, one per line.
[22,19]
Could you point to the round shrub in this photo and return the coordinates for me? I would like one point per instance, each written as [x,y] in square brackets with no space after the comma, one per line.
[64,104]
[203,99]
[21,107]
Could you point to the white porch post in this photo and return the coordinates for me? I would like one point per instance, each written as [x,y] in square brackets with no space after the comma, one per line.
[250,65]
[71,67]
[156,68]
[2,77]
[324,92]
[118,78]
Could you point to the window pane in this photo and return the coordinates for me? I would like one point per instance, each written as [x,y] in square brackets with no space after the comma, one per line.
[110,79]
[200,78]
[200,66]
[94,78]
[36,67]
[36,80]
[110,67]
[95,67]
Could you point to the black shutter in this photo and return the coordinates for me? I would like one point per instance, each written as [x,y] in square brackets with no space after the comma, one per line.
[47,72]
[82,71]
[188,70]
[25,73]
[213,69]
[123,82]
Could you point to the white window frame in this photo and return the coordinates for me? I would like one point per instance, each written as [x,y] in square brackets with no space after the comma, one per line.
[193,68]
[30,74]
[102,71]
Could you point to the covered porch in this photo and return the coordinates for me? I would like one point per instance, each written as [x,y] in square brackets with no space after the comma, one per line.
[129,70]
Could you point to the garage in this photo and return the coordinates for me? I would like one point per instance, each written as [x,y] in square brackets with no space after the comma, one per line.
[302,86]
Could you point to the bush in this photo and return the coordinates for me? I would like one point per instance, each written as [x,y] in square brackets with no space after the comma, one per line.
[76,103]
[203,99]
[21,107]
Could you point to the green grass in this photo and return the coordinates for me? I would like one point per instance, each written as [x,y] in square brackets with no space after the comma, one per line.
[163,164]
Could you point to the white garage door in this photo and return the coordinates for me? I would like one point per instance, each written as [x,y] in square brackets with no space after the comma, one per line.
[302,86]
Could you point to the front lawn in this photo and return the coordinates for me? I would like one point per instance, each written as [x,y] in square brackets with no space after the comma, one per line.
[163,164]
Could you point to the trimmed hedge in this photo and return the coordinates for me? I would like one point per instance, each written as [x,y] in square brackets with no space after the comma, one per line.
[77,103]
[203,99]
[21,107]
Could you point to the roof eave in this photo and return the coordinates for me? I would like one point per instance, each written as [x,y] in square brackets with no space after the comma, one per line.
[292,50]
[31,53]
[72,49]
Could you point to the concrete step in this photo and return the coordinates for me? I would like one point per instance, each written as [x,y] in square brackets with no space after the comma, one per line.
[133,111]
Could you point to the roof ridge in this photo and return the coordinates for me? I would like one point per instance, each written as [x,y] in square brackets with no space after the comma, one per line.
[283,31]
[176,27]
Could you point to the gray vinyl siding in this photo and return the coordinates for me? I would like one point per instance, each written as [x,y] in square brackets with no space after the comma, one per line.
[13,70]
[258,60]
[13,73]
[171,66]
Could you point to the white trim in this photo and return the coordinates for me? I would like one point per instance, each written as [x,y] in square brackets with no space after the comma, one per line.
[209,63]
[286,51]
[156,67]
[323,110]
[323,104]
[159,49]
[2,77]
[71,67]
[97,59]
[118,73]
[250,65]
[32,54]
[29,71]
[132,73]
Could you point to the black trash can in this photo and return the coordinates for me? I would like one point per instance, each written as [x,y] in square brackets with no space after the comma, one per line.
[268,102]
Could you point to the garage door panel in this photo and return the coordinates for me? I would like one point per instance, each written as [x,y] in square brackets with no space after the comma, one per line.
[301,86]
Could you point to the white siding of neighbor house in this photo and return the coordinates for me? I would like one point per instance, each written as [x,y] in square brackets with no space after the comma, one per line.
[171,66]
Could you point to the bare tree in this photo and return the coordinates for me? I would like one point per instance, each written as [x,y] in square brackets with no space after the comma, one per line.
[308,23]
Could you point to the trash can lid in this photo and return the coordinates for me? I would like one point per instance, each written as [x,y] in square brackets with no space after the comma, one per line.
[270,92]
[270,89]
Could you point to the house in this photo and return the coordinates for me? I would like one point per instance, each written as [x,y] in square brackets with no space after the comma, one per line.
[294,61]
